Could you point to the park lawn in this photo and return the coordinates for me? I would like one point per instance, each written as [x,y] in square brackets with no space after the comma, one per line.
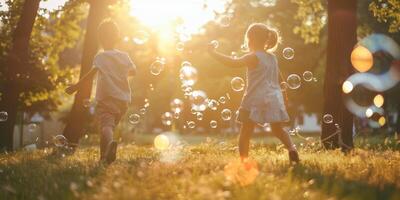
[196,171]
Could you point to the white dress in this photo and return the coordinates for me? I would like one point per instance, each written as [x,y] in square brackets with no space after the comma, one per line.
[263,98]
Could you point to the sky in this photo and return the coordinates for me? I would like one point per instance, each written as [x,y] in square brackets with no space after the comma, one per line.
[49,4]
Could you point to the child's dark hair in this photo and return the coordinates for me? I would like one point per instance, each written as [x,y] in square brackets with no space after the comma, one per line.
[108,33]
[259,34]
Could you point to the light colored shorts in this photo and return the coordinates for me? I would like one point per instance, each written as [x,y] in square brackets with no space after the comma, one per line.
[109,111]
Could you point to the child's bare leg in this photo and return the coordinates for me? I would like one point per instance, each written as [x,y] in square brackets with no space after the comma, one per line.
[283,136]
[244,139]
[105,138]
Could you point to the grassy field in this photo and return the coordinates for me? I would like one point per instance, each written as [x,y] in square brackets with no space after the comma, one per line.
[206,170]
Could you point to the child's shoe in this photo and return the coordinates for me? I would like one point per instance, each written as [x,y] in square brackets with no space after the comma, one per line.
[111,152]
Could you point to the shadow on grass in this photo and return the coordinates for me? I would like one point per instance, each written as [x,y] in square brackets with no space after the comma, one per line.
[343,188]
[48,177]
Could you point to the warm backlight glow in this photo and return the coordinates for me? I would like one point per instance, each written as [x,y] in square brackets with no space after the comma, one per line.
[379,100]
[190,14]
[161,142]
[347,87]
[362,59]
[242,172]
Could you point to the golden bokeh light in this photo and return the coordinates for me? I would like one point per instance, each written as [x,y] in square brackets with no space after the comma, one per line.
[379,100]
[382,121]
[161,142]
[347,87]
[241,172]
[361,59]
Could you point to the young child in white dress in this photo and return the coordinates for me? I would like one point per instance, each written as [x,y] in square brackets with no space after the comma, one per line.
[263,101]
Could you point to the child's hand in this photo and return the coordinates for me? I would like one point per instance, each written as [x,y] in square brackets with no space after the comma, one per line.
[71,89]
[212,46]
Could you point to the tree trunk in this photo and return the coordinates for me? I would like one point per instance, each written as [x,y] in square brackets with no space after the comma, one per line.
[78,116]
[17,67]
[342,36]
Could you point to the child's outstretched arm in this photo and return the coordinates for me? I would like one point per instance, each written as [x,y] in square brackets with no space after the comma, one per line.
[249,60]
[87,77]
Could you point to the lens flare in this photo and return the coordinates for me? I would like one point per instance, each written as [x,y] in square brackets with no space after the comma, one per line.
[369,112]
[382,121]
[241,172]
[347,87]
[379,100]
[161,142]
[361,59]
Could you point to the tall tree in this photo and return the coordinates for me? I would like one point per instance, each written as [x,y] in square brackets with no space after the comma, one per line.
[78,115]
[18,58]
[342,36]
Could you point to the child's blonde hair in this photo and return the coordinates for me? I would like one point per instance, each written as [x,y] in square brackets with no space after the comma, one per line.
[263,35]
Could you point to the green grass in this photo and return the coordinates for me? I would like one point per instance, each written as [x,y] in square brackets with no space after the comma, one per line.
[196,171]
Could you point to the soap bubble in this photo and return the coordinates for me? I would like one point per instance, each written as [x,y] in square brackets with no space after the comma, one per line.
[226,114]
[32,127]
[198,99]
[308,76]
[134,119]
[213,124]
[327,118]
[234,55]
[157,67]
[142,111]
[244,48]
[60,141]
[237,84]
[176,105]
[222,100]
[140,37]
[161,142]
[293,81]
[3,116]
[215,44]
[224,20]
[199,116]
[176,115]
[191,124]
[167,118]
[347,87]
[288,53]
[180,46]
[213,104]
[188,75]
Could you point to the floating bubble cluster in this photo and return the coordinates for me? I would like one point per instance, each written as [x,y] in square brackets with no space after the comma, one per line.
[191,124]
[198,99]
[167,119]
[226,114]
[3,116]
[157,67]
[176,105]
[60,141]
[188,75]
[213,104]
[213,124]
[288,53]
[327,118]
[134,119]
[237,84]
[293,81]
[308,76]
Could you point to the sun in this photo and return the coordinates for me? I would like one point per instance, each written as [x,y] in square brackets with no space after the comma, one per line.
[185,16]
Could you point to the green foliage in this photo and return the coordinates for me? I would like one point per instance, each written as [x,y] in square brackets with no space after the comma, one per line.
[53,32]
[312,16]
[387,11]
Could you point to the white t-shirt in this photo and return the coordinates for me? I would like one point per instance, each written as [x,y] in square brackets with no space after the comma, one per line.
[112,78]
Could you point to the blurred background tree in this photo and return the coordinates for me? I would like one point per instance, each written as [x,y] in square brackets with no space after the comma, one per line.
[31,55]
